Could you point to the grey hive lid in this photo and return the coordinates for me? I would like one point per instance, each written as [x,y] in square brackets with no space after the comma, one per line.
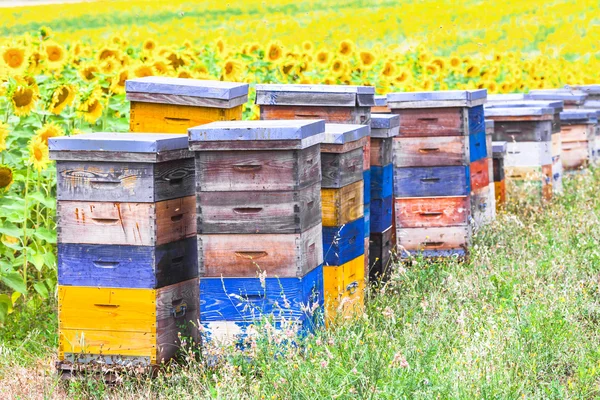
[518,111]
[112,142]
[557,105]
[187,87]
[256,130]
[589,89]
[344,133]
[315,95]
[444,95]
[381,100]
[592,104]
[499,148]
[506,97]
[489,124]
[384,121]
[566,95]
[585,116]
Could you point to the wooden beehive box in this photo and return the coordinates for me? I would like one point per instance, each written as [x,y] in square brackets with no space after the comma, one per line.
[380,105]
[381,247]
[521,124]
[127,327]
[122,167]
[570,98]
[344,287]
[499,152]
[434,242]
[172,105]
[578,136]
[556,105]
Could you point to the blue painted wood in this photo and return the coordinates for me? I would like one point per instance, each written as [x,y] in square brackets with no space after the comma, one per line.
[477,146]
[345,243]
[432,253]
[476,120]
[384,121]
[367,186]
[381,214]
[119,142]
[257,130]
[143,267]
[579,116]
[381,100]
[382,182]
[367,218]
[187,87]
[432,181]
[249,299]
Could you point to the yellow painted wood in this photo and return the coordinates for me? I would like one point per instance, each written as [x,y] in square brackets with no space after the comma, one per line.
[344,289]
[343,205]
[132,344]
[107,309]
[171,118]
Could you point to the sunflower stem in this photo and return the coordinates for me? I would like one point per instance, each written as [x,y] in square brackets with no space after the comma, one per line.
[25,229]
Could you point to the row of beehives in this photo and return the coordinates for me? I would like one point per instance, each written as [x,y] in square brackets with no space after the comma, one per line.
[290,201]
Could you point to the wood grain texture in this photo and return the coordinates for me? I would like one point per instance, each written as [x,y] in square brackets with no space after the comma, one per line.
[575,155]
[124,157]
[381,214]
[430,212]
[500,192]
[421,122]
[344,243]
[522,131]
[525,154]
[139,224]
[344,289]
[380,255]
[380,110]
[245,256]
[431,181]
[341,206]
[233,171]
[576,133]
[367,186]
[498,169]
[482,207]
[480,174]
[382,184]
[381,151]
[344,148]
[249,299]
[341,169]
[183,100]
[476,120]
[331,114]
[170,118]
[367,219]
[446,238]
[259,212]
[142,267]
[515,118]
[174,179]
[477,146]
[367,154]
[431,151]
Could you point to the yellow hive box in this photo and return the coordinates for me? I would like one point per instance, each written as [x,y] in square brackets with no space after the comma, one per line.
[137,327]
[343,205]
[344,288]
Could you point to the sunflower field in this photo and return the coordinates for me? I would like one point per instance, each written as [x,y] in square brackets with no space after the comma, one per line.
[63,71]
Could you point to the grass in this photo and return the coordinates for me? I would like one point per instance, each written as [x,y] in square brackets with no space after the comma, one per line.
[520,319]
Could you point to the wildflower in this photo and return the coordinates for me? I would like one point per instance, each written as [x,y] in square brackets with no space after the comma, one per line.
[62,97]
[399,361]
[324,364]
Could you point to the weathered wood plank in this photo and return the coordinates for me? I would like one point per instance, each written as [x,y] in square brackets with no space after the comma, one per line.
[331,114]
[381,151]
[341,169]
[367,255]
[247,255]
[382,185]
[344,148]
[381,214]
[170,118]
[182,100]
[431,151]
[477,146]
[480,174]
[380,255]
[498,169]
[142,267]
[229,171]
[576,133]
[341,206]
[175,219]
[367,219]
[557,176]
[482,207]
[249,299]
[426,122]
[524,154]
[125,157]
[259,212]
[500,192]
[446,238]
[431,181]
[174,179]
[522,131]
[429,212]
[344,243]
[575,155]
[344,289]
[367,186]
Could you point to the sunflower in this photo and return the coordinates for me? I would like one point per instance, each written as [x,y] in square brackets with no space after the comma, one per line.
[38,154]
[143,70]
[149,45]
[23,99]
[185,73]
[106,52]
[491,86]
[45,33]
[338,67]
[323,57]
[427,84]
[6,177]
[89,72]
[403,77]
[187,44]
[472,71]
[431,69]
[231,70]
[117,83]
[389,69]
[161,67]
[92,107]
[287,67]
[36,63]
[109,65]
[274,51]
[56,55]
[62,97]
[4,130]
[47,131]
[308,46]
[367,59]
[439,63]
[254,48]
[220,45]
[15,58]
[346,48]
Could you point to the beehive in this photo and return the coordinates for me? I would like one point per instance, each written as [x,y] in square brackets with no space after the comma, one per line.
[499,151]
[578,137]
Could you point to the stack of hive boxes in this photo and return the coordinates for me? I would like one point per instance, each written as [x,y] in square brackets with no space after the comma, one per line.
[498,153]
[343,222]
[172,105]
[127,255]
[258,196]
[578,133]
[498,101]
[528,161]
[384,127]
[380,106]
[440,160]
[335,104]
[592,102]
